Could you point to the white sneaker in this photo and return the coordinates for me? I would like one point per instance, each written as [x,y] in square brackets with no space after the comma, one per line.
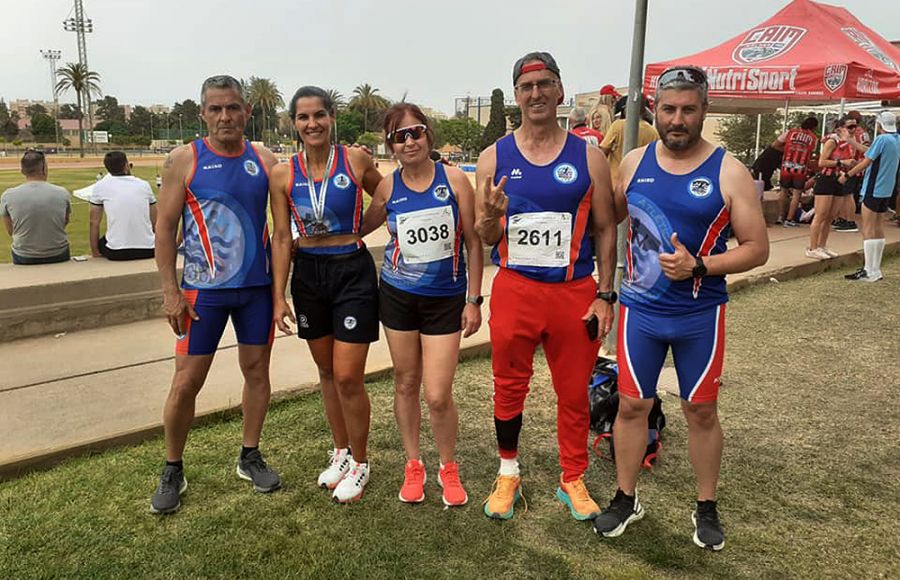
[827,252]
[873,277]
[354,483]
[338,466]
[816,254]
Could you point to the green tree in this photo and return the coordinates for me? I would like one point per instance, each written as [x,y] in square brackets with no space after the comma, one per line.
[69,111]
[263,94]
[340,103]
[35,109]
[349,126]
[9,126]
[77,77]
[370,139]
[370,104]
[496,126]
[43,125]
[514,116]
[738,134]
[184,119]
[464,132]
[108,109]
[140,121]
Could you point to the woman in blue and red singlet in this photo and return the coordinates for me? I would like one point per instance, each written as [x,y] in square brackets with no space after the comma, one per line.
[319,195]
[426,298]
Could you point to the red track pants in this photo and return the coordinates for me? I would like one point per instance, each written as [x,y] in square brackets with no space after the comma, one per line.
[525,313]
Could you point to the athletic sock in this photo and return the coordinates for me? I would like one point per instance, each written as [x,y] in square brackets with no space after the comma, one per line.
[879,252]
[869,252]
[246,450]
[508,435]
[509,466]
[179,464]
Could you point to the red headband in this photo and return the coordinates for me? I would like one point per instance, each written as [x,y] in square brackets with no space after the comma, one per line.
[533,66]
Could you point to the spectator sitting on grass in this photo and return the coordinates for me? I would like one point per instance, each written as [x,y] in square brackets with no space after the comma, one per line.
[35,214]
[130,209]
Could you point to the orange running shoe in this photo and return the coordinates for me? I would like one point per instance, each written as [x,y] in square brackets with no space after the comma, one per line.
[413,490]
[448,479]
[502,501]
[576,497]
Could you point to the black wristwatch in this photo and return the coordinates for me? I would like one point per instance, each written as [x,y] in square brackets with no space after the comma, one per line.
[699,270]
[476,300]
[610,297]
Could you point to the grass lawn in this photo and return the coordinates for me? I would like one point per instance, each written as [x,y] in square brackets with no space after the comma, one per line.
[71,179]
[809,478]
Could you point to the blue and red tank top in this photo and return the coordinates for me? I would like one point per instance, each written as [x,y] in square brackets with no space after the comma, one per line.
[546,234]
[660,203]
[224,221]
[343,203]
[424,255]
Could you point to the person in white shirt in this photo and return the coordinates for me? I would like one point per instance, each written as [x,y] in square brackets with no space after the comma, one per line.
[130,209]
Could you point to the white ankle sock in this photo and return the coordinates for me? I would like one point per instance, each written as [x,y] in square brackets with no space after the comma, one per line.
[509,466]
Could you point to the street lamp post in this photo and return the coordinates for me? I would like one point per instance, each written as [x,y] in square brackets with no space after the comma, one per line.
[81,25]
[52,56]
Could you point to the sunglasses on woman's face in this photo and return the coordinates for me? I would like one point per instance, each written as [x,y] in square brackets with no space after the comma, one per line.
[399,136]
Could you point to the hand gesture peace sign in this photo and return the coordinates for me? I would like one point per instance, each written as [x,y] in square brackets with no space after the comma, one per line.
[495,201]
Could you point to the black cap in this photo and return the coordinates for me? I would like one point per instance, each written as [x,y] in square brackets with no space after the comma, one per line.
[544,58]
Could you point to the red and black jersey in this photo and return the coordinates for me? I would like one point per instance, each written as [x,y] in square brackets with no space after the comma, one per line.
[799,144]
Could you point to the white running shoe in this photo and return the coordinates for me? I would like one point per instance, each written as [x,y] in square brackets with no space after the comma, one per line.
[816,254]
[827,252]
[354,483]
[873,277]
[338,466]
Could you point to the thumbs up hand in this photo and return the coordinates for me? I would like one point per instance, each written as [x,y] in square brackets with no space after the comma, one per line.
[678,265]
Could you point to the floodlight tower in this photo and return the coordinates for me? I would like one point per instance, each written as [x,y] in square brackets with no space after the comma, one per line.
[81,26]
[52,56]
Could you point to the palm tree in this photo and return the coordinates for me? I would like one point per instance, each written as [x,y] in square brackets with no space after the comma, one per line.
[77,77]
[365,100]
[264,94]
[337,99]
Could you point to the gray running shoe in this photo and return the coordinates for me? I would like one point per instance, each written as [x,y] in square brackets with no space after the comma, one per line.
[167,498]
[708,531]
[622,511]
[253,468]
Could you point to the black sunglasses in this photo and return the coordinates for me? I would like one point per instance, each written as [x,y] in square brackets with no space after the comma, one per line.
[399,136]
[690,75]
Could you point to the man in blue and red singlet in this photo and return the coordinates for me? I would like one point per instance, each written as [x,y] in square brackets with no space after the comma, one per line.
[219,188]
[541,193]
[684,195]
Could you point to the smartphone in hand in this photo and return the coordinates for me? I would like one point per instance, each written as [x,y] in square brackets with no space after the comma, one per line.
[592,325]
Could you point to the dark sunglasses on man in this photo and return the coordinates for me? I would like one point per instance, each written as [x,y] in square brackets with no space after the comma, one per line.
[399,136]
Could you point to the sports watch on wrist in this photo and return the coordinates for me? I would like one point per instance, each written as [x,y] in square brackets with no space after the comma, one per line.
[609,297]
[699,270]
[476,300]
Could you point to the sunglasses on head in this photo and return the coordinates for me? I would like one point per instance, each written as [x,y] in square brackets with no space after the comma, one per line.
[399,136]
[680,75]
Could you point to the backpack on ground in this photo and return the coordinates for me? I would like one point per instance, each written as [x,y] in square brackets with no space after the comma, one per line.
[603,396]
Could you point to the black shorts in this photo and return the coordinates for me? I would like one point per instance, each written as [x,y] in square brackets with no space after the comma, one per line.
[852,186]
[792,180]
[876,204]
[828,185]
[428,314]
[336,294]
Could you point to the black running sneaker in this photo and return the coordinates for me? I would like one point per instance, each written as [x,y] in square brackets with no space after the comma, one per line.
[708,531]
[253,468]
[167,498]
[845,226]
[622,510]
[858,275]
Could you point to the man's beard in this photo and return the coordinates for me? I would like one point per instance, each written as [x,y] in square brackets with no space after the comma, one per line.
[681,143]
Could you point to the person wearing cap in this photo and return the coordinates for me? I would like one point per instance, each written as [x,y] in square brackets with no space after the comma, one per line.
[578,126]
[601,116]
[684,197]
[847,208]
[541,193]
[880,164]
[613,144]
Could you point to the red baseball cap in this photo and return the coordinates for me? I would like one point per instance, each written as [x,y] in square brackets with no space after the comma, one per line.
[609,90]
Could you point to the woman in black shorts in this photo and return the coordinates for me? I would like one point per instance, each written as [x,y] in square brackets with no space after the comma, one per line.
[319,195]
[837,155]
[426,299]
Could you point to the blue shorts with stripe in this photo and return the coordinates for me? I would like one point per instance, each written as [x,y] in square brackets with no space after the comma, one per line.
[250,310]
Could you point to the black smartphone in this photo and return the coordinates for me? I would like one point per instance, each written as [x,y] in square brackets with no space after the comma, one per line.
[592,325]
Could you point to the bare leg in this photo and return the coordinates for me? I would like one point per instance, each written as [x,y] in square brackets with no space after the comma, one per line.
[406,355]
[630,437]
[322,350]
[704,446]
[821,223]
[254,360]
[178,414]
[441,353]
[349,381]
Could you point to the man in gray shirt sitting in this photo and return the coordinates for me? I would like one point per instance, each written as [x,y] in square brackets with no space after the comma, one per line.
[36,214]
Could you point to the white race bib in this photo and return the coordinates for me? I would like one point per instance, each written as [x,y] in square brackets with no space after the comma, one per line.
[426,235]
[540,239]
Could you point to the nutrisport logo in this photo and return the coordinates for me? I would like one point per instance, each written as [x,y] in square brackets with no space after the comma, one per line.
[834,77]
[766,43]
[865,43]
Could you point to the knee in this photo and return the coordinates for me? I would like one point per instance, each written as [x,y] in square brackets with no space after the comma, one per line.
[631,409]
[326,374]
[185,388]
[439,403]
[406,385]
[702,417]
[347,385]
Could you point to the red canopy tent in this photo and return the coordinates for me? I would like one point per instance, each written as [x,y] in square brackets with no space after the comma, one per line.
[806,54]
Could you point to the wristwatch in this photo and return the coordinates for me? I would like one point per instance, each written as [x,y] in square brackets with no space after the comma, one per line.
[610,297]
[476,300]
[699,270]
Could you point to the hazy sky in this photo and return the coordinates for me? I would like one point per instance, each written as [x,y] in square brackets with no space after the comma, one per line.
[159,51]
